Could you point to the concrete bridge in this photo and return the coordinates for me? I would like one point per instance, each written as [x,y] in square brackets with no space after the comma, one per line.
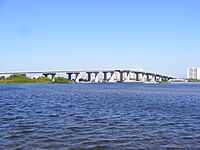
[100,75]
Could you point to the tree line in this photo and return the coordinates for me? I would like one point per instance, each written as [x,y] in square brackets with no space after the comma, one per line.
[19,79]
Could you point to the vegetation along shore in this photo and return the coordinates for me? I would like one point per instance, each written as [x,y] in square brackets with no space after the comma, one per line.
[20,79]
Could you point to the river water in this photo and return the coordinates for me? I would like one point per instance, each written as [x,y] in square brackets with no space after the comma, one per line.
[100,116]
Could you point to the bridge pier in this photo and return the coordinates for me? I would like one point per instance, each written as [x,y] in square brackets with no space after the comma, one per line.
[46,75]
[89,76]
[69,76]
[96,77]
[147,79]
[160,78]
[105,76]
[154,78]
[131,76]
[143,78]
[53,76]
[127,76]
[116,76]
[165,78]
[112,77]
[77,78]
[137,77]
[121,76]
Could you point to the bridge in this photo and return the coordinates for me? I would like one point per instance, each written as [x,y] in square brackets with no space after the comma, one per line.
[100,75]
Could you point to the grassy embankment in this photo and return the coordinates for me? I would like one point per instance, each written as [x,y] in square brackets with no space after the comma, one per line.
[20,79]
[193,80]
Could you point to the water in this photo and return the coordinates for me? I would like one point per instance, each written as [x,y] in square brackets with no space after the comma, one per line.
[100,116]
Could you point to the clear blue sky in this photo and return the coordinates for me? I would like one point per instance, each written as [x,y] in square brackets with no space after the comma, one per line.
[156,35]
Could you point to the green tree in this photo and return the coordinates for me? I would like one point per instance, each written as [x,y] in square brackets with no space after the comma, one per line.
[2,78]
[193,80]
[44,79]
[61,80]
[18,78]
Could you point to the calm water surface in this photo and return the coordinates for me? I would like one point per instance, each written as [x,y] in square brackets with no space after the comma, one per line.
[100,116]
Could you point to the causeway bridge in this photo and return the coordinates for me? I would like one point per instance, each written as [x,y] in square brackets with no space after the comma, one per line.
[100,75]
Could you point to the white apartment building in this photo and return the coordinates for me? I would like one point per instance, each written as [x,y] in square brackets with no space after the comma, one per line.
[193,73]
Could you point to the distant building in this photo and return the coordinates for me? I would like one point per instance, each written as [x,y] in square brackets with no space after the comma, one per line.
[193,73]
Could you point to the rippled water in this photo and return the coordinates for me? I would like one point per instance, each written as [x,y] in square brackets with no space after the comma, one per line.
[100,116]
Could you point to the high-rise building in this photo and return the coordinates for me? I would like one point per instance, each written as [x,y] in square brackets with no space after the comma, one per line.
[193,73]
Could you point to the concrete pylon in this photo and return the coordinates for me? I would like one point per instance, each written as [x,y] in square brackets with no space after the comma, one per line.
[121,76]
[160,79]
[131,75]
[53,76]
[147,75]
[45,74]
[96,78]
[127,76]
[137,77]
[165,78]
[89,76]
[143,77]
[78,76]
[112,77]
[69,76]
[116,75]
[153,78]
[105,76]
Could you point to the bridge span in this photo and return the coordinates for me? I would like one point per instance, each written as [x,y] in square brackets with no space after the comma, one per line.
[107,75]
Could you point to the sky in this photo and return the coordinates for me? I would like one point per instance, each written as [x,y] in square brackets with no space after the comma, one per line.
[159,35]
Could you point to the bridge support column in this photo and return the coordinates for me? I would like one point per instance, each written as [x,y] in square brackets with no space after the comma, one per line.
[116,75]
[53,76]
[112,77]
[69,76]
[78,76]
[147,75]
[143,77]
[96,78]
[121,76]
[154,78]
[160,79]
[127,76]
[45,74]
[137,77]
[89,76]
[165,79]
[105,76]
[131,76]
